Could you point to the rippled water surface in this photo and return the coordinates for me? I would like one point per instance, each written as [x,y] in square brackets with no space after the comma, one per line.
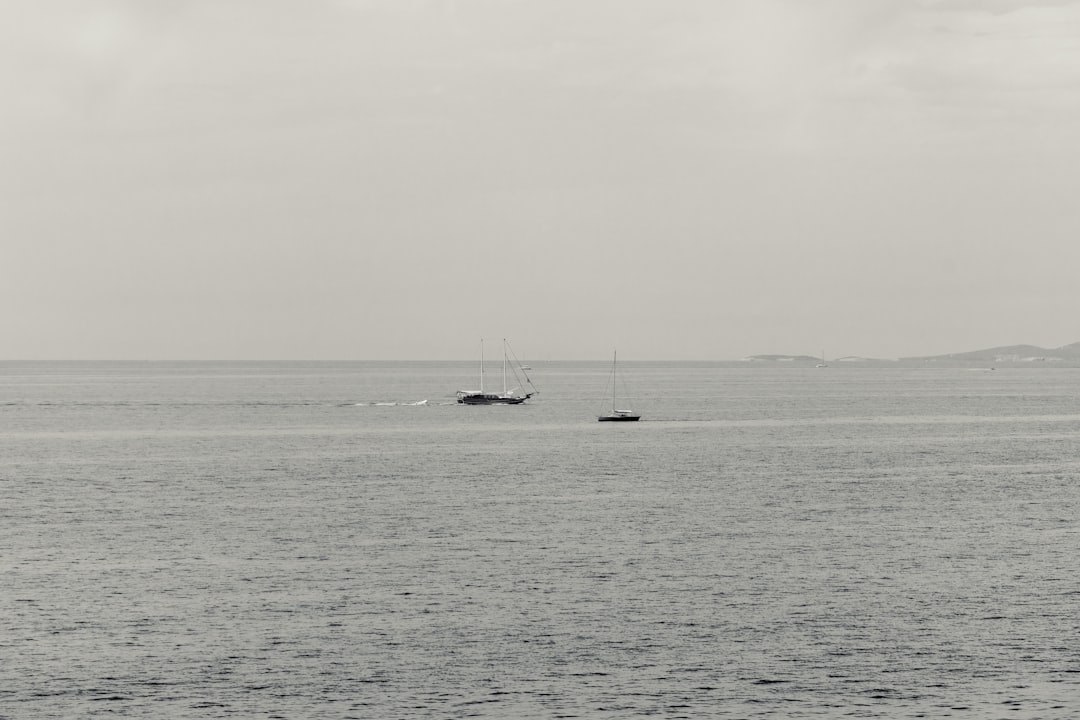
[313,540]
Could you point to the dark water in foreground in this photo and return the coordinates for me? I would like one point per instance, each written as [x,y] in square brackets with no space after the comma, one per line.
[245,540]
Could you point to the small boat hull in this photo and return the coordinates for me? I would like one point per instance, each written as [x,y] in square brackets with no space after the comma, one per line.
[618,417]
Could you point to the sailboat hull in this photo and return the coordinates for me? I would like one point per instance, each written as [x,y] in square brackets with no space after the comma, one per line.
[478,399]
[618,417]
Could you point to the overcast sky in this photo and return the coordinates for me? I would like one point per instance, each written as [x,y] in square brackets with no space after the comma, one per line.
[395,179]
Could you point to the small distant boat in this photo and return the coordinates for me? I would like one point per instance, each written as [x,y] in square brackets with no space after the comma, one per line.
[822,363]
[508,396]
[614,414]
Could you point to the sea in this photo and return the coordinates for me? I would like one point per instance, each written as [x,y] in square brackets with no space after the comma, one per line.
[343,540]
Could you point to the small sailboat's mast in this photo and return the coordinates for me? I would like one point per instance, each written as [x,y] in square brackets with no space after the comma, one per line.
[481,366]
[614,380]
[504,366]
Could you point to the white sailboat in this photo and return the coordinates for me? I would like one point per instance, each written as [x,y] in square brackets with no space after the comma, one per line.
[508,396]
[822,363]
[614,414]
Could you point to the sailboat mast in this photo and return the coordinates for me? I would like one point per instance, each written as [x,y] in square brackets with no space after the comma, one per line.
[481,366]
[504,366]
[614,380]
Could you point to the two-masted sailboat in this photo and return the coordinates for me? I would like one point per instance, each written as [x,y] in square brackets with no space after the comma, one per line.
[614,414]
[508,396]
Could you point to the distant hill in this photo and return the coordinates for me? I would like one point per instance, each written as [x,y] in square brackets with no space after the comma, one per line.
[1004,354]
[1011,353]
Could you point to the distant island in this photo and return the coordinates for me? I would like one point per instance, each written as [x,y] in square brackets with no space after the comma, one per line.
[996,355]
[1011,353]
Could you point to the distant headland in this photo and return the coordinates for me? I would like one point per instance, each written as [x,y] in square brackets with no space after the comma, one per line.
[1067,354]
[1012,353]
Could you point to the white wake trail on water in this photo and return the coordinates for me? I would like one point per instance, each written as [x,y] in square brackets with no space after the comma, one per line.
[418,403]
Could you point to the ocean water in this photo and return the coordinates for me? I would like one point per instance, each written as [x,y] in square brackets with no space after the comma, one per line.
[313,540]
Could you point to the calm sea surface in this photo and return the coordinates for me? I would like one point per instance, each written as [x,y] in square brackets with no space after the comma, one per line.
[299,540]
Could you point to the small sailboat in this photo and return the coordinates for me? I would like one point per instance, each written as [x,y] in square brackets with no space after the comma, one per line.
[508,396]
[822,363]
[614,414]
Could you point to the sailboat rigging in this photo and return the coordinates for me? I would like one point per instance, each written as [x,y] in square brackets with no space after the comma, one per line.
[614,414]
[508,396]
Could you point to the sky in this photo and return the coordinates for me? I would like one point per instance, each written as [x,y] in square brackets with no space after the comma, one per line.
[396,179]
